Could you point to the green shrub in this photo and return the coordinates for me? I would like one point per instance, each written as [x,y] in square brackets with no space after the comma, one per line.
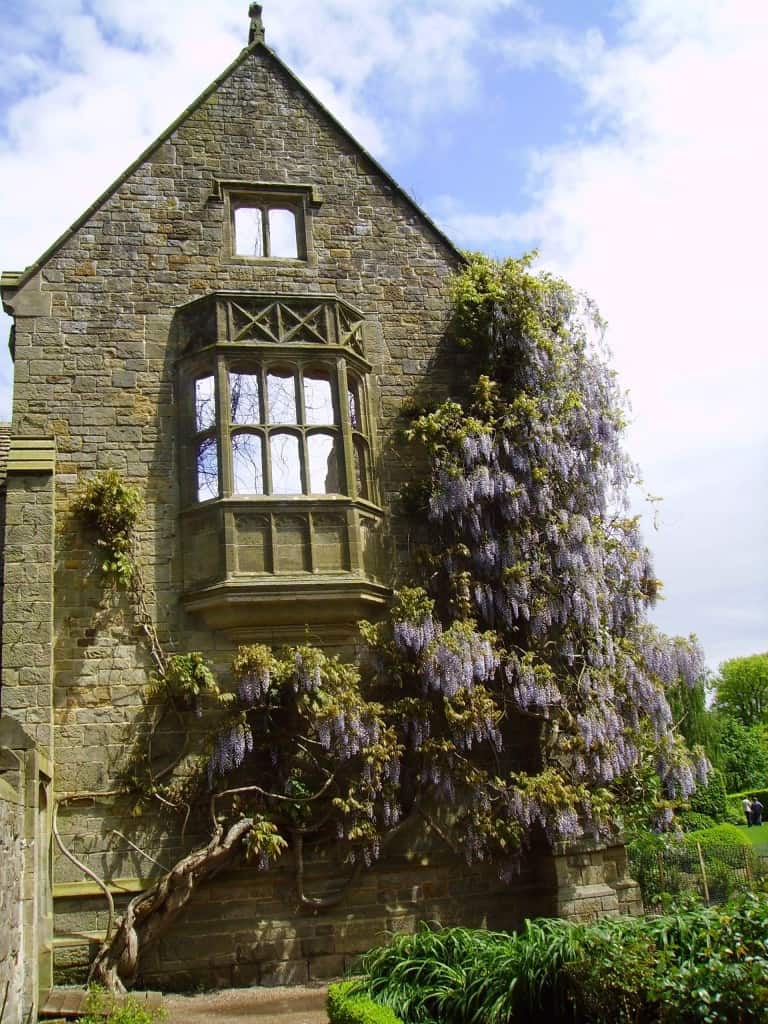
[692,821]
[734,812]
[717,838]
[721,973]
[698,964]
[347,1005]
[716,991]
[711,799]
[612,981]
[103,1008]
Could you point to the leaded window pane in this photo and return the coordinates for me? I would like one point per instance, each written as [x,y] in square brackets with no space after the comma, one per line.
[207,470]
[318,398]
[286,464]
[281,397]
[244,398]
[247,464]
[249,231]
[323,456]
[282,234]
[361,468]
[353,402]
[205,403]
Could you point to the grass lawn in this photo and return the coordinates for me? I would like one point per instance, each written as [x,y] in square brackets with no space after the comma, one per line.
[758,837]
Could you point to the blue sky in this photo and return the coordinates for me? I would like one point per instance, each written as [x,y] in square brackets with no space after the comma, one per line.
[624,140]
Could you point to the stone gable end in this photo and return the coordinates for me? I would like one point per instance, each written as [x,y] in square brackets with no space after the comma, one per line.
[105,331]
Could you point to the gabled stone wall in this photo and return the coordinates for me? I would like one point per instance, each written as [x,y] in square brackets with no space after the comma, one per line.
[96,374]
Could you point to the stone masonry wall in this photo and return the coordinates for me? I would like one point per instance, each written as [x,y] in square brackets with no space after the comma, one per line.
[28,604]
[246,928]
[25,900]
[12,966]
[592,880]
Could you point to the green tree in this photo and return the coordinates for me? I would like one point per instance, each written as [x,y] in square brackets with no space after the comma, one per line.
[742,755]
[742,688]
[697,723]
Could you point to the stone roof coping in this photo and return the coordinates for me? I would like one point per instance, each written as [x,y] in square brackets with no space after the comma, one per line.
[32,455]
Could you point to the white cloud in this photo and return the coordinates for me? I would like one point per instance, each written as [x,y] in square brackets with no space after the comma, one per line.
[662,215]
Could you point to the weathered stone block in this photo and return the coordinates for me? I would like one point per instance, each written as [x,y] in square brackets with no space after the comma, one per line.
[284,972]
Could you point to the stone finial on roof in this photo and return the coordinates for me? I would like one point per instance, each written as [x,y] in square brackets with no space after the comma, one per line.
[256,33]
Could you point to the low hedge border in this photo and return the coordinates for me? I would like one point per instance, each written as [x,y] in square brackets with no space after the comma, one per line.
[345,1006]
[761,793]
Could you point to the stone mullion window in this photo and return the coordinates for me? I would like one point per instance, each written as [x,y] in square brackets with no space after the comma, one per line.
[301,416]
[346,427]
[273,546]
[269,227]
[222,426]
[313,441]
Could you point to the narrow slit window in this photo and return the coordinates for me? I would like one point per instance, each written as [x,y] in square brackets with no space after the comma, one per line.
[361,468]
[205,403]
[353,401]
[247,464]
[249,231]
[285,463]
[323,457]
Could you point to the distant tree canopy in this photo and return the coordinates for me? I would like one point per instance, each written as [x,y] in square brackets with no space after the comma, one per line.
[693,718]
[741,754]
[742,689]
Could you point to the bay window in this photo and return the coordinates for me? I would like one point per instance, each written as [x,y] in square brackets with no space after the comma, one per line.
[277,484]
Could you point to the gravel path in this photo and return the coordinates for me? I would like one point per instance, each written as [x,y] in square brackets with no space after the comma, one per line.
[299,1005]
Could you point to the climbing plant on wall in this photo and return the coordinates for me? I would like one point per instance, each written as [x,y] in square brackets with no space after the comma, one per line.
[516,678]
[537,582]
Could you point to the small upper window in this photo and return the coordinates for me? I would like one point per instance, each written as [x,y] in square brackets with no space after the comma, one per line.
[266,230]
[267,220]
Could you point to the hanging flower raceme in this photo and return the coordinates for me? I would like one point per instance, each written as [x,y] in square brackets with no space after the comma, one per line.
[230,746]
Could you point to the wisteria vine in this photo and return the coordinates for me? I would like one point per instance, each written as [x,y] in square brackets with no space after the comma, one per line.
[534,617]
[517,685]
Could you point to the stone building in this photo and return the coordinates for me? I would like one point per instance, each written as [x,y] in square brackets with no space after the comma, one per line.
[233,325]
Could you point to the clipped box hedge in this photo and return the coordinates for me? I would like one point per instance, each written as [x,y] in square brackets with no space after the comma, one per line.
[716,838]
[345,1006]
